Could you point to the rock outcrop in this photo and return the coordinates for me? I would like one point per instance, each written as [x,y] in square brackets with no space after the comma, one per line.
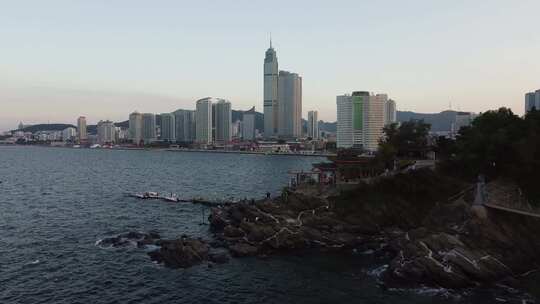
[177,253]
[295,223]
[459,248]
[182,253]
[447,244]
[132,238]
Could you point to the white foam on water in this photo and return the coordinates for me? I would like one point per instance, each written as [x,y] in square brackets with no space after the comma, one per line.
[377,272]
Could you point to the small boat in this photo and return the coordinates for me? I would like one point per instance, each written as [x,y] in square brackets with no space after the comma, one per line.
[151,195]
[146,195]
[172,198]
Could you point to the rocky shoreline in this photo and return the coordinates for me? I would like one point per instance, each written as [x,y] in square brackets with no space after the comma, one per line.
[451,245]
[441,244]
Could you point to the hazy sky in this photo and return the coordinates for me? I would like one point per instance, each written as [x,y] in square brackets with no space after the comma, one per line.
[106,58]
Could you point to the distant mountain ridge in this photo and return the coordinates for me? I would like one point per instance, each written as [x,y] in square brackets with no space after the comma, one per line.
[439,121]
[46,127]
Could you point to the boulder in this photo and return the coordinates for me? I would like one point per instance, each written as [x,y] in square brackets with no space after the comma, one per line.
[243,249]
[286,239]
[258,231]
[182,253]
[218,257]
[130,238]
[232,232]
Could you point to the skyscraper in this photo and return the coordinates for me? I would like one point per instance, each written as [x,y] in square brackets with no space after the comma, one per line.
[344,121]
[223,121]
[390,112]
[135,127]
[185,125]
[203,121]
[248,124]
[81,129]
[148,128]
[532,100]
[360,120]
[373,121]
[106,132]
[289,104]
[270,92]
[168,127]
[313,124]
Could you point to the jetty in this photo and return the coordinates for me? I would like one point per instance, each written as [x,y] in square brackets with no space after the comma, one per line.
[174,198]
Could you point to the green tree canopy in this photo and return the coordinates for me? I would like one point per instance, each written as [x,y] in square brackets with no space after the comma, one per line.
[499,143]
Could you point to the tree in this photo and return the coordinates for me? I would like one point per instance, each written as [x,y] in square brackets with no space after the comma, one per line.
[409,139]
[499,144]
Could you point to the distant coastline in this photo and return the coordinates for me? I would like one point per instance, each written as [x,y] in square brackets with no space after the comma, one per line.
[315,154]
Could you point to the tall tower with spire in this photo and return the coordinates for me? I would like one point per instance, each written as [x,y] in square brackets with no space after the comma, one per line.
[271,110]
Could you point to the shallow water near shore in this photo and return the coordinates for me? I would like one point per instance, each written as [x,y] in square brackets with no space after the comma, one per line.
[56,203]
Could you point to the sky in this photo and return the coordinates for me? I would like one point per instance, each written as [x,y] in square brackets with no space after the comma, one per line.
[103,59]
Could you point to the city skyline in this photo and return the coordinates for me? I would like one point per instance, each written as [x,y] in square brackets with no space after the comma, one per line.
[102,70]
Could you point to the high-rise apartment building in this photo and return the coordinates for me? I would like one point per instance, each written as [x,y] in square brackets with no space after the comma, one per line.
[222,122]
[313,124]
[248,124]
[532,100]
[69,134]
[289,104]
[390,114]
[203,121]
[271,111]
[135,127]
[185,125]
[361,118]
[149,128]
[168,127]
[106,132]
[82,134]
[344,135]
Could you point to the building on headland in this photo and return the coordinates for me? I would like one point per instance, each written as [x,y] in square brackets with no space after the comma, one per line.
[248,125]
[463,119]
[289,105]
[360,120]
[168,127]
[532,100]
[222,121]
[313,125]
[270,106]
[185,125]
[82,134]
[106,132]
[22,126]
[135,127]
[69,134]
[203,121]
[390,114]
[148,128]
